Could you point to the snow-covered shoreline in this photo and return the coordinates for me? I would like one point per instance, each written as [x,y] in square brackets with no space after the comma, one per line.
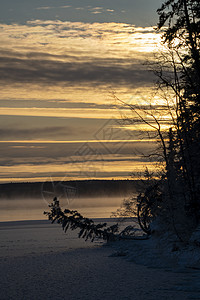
[39,261]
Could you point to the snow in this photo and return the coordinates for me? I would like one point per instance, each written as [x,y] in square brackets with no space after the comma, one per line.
[39,261]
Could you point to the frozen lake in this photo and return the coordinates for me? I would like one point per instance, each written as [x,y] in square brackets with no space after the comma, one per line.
[39,261]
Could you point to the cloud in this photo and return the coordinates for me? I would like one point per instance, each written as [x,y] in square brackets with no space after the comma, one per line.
[41,70]
[75,62]
[56,52]
[97,8]
[56,103]
[62,160]
[65,6]
[96,12]
[58,76]
[66,153]
[52,7]
[32,133]
[44,8]
[81,163]
[100,10]
[27,147]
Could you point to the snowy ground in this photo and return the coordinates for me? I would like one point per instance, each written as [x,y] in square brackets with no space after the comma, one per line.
[39,261]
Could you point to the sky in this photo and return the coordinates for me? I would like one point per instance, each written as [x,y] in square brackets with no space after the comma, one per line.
[66,68]
[137,12]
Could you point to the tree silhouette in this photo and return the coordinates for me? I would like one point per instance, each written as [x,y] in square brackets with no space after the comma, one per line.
[174,199]
[178,78]
[181,198]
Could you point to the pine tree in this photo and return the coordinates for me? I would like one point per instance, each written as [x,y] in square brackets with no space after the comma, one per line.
[182,37]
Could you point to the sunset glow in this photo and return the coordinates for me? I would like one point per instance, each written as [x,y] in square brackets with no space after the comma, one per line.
[59,79]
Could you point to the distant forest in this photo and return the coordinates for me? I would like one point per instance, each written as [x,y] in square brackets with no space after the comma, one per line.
[84,188]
